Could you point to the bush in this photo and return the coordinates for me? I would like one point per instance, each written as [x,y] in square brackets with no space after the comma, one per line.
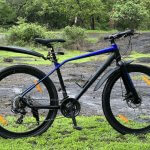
[26,33]
[74,36]
[7,14]
[128,14]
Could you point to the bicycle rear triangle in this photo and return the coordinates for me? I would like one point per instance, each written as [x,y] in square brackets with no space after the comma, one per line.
[29,99]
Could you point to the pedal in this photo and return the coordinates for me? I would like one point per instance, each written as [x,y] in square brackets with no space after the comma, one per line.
[75,122]
[77,127]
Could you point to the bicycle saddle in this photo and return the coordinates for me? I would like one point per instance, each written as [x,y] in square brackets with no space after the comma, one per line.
[46,42]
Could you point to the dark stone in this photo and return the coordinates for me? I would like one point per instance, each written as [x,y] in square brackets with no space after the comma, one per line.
[8,60]
[144,59]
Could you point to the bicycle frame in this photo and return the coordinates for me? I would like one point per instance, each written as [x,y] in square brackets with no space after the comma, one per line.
[113,48]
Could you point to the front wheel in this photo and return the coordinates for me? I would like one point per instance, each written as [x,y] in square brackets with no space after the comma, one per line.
[120,110]
[16,118]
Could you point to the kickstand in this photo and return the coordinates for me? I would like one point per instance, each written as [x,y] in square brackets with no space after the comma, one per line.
[75,122]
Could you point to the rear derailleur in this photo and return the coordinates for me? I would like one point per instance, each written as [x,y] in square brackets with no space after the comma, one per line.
[70,108]
[18,107]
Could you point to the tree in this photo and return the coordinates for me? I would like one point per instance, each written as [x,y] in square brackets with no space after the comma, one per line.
[86,12]
[7,14]
[128,14]
[17,5]
[146,23]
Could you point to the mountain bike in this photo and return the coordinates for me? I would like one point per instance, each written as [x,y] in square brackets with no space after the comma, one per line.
[29,101]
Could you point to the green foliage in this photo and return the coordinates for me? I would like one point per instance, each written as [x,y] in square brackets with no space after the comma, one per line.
[2,30]
[89,14]
[128,14]
[74,36]
[26,32]
[146,24]
[7,14]
[84,12]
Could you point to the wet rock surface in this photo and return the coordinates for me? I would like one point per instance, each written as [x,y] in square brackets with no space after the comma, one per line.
[140,42]
[80,73]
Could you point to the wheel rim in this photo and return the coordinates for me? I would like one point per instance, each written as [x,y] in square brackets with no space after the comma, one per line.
[10,87]
[129,115]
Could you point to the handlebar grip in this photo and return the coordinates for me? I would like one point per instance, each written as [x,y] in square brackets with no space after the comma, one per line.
[119,35]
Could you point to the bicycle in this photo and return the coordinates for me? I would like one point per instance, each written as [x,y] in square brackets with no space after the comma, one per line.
[29,99]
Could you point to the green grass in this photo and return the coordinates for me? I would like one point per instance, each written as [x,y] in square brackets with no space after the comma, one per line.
[97,134]
[92,40]
[143,31]
[136,55]
[101,31]
[28,59]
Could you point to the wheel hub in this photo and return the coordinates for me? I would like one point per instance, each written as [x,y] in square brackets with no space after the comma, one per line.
[131,101]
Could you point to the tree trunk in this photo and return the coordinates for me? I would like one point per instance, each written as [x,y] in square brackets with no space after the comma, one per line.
[92,23]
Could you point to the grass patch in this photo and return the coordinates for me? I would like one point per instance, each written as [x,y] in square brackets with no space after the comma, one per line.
[28,59]
[144,31]
[135,55]
[97,134]
[101,31]
[92,40]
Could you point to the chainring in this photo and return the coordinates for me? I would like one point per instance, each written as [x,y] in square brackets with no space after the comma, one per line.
[69,107]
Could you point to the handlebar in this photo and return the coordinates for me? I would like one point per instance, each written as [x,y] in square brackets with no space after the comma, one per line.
[119,35]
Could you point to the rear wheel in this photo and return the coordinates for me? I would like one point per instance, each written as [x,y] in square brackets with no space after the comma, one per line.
[17,119]
[120,110]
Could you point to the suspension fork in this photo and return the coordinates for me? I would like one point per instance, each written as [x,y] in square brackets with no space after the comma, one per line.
[130,88]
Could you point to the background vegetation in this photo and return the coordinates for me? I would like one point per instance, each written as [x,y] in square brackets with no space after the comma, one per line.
[89,14]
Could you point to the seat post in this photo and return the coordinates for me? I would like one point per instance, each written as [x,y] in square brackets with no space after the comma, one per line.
[63,88]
